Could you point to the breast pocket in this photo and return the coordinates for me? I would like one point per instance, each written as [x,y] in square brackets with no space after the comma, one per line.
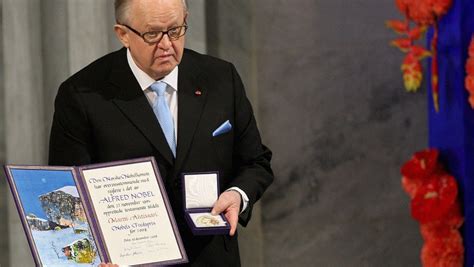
[223,146]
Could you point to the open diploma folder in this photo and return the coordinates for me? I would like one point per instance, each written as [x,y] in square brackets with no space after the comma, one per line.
[114,212]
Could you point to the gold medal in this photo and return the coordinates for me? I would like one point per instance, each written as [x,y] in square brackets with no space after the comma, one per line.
[207,220]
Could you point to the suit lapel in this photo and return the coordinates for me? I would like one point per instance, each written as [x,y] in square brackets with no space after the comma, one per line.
[131,100]
[192,95]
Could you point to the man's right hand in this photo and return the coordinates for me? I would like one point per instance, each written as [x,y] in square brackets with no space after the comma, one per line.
[103,264]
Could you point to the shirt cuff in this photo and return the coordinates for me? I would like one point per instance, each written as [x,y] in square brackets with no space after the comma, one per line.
[245,198]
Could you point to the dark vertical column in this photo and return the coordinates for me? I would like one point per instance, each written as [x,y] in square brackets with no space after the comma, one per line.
[212,27]
[452,129]
[230,35]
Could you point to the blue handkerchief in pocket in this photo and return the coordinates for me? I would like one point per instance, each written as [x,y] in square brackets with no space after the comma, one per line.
[224,128]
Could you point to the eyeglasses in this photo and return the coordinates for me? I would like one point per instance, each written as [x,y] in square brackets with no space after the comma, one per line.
[154,37]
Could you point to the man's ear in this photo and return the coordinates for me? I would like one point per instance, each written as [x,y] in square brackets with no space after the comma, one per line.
[122,35]
[186,15]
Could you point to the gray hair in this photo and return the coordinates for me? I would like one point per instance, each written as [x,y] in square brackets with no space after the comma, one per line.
[122,6]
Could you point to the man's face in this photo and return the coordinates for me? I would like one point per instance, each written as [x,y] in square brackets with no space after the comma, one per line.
[157,60]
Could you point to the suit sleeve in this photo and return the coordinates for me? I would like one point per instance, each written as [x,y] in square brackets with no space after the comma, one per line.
[251,158]
[69,142]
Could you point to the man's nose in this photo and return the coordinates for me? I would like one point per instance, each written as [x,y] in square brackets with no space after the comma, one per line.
[165,42]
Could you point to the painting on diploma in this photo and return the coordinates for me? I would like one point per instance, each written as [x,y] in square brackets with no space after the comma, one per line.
[53,216]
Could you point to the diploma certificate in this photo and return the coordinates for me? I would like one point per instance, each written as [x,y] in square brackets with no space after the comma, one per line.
[130,212]
[124,204]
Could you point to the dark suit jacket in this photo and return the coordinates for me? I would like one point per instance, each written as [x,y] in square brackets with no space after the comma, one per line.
[101,114]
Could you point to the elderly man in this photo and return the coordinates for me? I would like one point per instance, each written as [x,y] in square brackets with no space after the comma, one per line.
[106,112]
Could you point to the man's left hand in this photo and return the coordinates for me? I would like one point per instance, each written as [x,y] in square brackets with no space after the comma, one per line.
[229,203]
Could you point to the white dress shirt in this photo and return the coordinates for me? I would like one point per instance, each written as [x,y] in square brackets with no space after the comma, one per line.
[171,93]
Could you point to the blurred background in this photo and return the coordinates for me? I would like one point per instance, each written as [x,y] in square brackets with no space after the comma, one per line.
[327,92]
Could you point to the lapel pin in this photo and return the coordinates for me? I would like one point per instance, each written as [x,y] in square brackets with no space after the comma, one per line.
[198,92]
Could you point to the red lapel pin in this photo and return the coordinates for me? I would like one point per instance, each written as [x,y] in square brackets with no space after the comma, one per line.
[198,92]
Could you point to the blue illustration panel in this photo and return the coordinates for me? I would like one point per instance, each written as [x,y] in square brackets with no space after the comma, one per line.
[53,216]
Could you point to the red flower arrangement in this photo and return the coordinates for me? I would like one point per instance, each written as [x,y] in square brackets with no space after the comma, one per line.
[434,204]
[422,13]
[469,82]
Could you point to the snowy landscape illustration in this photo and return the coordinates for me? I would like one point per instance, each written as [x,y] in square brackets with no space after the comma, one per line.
[56,217]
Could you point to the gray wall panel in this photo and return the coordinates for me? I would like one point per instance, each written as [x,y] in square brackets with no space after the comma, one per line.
[196,34]
[55,63]
[24,106]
